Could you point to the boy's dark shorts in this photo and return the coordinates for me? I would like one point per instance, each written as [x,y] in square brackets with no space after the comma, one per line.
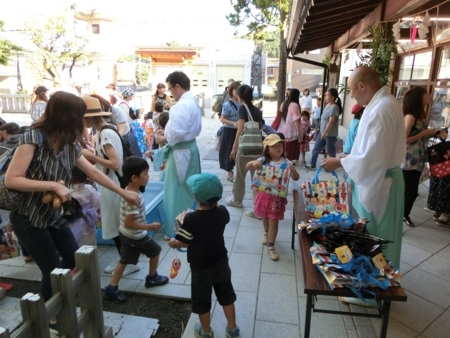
[217,276]
[131,249]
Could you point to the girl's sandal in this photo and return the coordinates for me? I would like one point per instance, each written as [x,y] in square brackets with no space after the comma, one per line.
[230,178]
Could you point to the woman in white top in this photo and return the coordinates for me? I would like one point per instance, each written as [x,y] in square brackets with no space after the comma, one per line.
[108,158]
[39,103]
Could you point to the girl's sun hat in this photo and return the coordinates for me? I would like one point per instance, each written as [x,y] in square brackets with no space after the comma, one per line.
[271,140]
[94,107]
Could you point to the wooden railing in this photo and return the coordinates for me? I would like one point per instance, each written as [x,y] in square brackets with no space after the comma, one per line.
[86,282]
[15,103]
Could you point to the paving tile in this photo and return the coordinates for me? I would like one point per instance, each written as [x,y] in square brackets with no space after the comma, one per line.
[299,276]
[248,240]
[16,261]
[405,267]
[413,255]
[245,315]
[233,211]
[232,226]
[417,313]
[395,329]
[285,231]
[438,264]
[126,285]
[17,272]
[366,331]
[440,327]
[250,221]
[425,241]
[277,299]
[165,266]
[352,334]
[323,324]
[430,227]
[420,214]
[193,319]
[425,285]
[285,265]
[172,291]
[245,271]
[268,329]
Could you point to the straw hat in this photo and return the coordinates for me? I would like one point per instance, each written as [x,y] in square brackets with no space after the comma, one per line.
[93,107]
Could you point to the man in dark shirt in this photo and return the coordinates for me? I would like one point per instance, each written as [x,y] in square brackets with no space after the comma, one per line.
[202,233]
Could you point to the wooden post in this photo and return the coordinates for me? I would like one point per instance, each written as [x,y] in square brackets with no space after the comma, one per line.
[33,309]
[90,293]
[4,333]
[66,318]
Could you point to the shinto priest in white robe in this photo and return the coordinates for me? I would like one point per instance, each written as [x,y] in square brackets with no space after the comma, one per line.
[374,167]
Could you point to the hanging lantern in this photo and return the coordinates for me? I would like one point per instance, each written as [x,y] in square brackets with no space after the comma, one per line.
[396,30]
[332,59]
[338,60]
[423,28]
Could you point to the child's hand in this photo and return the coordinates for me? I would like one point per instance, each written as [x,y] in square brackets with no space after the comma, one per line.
[171,243]
[155,226]
[257,165]
[148,153]
[292,167]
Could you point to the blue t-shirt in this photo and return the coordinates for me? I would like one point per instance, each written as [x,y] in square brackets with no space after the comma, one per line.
[316,113]
[230,112]
[352,130]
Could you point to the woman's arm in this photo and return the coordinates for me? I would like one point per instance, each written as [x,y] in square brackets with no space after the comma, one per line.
[99,177]
[298,127]
[15,177]
[253,165]
[112,163]
[240,129]
[331,120]
[121,128]
[224,120]
[409,123]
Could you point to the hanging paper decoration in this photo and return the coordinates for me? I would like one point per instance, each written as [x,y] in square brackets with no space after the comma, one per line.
[413,33]
[332,59]
[423,28]
[346,56]
[338,60]
[396,30]
[359,49]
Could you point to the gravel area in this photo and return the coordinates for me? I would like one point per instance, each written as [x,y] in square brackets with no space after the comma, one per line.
[172,314]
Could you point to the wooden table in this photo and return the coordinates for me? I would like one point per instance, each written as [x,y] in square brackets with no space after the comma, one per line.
[315,283]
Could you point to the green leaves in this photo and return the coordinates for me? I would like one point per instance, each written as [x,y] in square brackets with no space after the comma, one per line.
[6,47]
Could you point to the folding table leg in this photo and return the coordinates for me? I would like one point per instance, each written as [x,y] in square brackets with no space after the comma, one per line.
[309,303]
[385,321]
[293,230]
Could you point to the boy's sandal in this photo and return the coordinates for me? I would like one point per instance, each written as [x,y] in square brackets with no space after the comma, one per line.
[28,259]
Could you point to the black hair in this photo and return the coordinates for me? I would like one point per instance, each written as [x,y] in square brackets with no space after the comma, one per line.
[306,113]
[133,166]
[163,118]
[179,78]
[148,116]
[337,100]
[159,107]
[413,103]
[263,122]
[294,97]
[134,113]
[211,202]
[245,93]
[11,128]
[281,136]
[358,115]
[266,154]
[78,176]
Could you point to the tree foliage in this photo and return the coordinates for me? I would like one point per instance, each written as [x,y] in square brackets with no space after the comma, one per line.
[6,47]
[260,17]
[141,68]
[60,43]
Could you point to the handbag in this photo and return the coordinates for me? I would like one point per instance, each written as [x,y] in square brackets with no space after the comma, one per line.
[11,200]
[439,159]
[276,123]
[250,141]
[272,180]
[323,197]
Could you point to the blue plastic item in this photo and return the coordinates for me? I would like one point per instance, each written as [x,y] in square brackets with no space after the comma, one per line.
[154,210]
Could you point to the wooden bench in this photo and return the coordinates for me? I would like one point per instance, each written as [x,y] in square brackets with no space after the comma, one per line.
[315,283]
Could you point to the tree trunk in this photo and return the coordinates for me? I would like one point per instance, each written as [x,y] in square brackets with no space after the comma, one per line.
[281,84]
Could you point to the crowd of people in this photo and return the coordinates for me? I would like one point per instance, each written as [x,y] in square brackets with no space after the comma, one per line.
[94,152]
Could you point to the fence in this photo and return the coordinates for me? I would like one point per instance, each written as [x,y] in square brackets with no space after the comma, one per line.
[86,282]
[15,103]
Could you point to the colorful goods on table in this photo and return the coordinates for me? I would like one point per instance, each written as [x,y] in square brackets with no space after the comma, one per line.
[354,261]
[324,197]
[9,247]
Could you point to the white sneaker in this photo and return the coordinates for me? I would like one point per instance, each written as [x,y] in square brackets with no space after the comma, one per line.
[428,209]
[273,255]
[232,203]
[264,238]
[129,269]
[110,268]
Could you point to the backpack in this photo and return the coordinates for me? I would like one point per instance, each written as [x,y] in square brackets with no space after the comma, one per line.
[250,141]
[126,153]
[217,106]
[7,151]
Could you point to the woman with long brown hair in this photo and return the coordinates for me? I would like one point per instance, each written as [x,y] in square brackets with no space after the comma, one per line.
[44,156]
[417,134]
[161,96]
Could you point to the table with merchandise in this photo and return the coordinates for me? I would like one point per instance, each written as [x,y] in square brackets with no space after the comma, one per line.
[315,282]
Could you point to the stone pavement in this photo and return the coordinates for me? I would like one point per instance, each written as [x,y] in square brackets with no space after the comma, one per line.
[271,302]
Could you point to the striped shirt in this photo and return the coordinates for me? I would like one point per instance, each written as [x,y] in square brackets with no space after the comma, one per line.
[139,216]
[46,166]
